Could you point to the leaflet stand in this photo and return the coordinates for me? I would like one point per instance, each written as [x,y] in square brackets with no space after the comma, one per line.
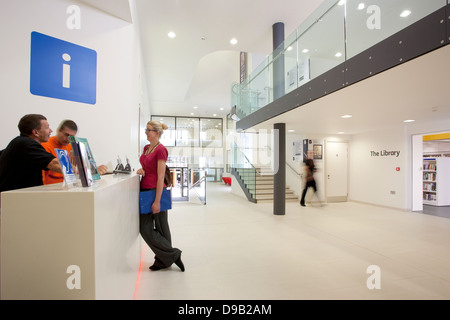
[120,168]
[70,178]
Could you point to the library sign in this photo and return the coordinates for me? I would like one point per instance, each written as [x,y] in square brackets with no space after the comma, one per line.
[384,153]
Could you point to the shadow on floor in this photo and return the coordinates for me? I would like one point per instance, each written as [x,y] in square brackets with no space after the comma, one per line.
[437,211]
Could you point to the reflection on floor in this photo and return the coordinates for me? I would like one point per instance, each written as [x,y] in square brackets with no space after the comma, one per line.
[233,249]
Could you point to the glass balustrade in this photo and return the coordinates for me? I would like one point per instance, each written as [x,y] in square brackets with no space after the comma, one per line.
[337,31]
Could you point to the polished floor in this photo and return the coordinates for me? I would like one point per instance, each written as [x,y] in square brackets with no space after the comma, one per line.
[233,249]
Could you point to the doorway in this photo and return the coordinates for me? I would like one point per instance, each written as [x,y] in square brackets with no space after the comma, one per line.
[428,148]
[337,171]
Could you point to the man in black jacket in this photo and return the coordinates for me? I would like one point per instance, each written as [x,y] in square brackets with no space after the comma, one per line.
[22,161]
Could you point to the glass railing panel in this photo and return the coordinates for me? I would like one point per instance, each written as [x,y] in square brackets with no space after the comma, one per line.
[369,23]
[258,89]
[244,168]
[337,30]
[322,46]
[291,63]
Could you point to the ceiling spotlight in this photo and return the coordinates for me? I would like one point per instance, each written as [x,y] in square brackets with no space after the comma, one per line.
[409,120]
[291,130]
[405,13]
[171,35]
[346,116]
[233,41]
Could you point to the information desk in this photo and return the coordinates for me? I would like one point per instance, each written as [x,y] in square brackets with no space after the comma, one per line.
[73,243]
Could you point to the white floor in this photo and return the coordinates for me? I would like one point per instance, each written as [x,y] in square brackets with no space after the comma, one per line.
[233,249]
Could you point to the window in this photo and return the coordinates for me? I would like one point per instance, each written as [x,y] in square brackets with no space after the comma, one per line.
[211,132]
[187,132]
[168,137]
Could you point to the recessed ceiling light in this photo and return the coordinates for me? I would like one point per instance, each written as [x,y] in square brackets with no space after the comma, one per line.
[342,2]
[405,13]
[409,120]
[361,6]
[171,35]
[195,107]
[192,113]
[346,116]
[233,41]
[341,132]
[289,48]
[221,109]
[305,50]
[214,115]
[291,130]
[338,54]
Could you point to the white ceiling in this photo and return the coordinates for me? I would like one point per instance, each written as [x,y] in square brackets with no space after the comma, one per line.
[197,67]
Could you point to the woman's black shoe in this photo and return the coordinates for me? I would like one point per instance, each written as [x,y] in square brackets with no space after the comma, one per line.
[180,264]
[155,268]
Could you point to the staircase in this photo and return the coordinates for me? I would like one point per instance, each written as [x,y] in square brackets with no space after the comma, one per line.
[259,185]
[264,190]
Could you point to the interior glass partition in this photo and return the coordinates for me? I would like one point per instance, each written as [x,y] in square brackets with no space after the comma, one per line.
[197,187]
[180,188]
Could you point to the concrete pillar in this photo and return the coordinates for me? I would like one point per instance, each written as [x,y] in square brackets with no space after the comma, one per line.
[278,64]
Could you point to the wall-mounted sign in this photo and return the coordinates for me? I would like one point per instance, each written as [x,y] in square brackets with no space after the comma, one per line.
[384,153]
[62,70]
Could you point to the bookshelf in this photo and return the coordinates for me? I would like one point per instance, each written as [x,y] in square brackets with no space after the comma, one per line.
[436,181]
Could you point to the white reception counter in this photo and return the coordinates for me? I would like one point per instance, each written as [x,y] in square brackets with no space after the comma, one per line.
[76,243]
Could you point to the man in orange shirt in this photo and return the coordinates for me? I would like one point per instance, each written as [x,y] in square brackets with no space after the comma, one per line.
[60,141]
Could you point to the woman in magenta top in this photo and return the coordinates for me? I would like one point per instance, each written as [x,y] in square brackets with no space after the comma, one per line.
[154,227]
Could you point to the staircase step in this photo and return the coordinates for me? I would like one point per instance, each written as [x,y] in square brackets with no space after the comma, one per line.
[292,197]
[270,191]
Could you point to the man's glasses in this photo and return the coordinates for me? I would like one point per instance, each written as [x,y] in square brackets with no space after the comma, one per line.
[148,130]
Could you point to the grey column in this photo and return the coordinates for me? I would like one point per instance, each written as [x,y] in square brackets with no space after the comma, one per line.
[278,64]
[279,180]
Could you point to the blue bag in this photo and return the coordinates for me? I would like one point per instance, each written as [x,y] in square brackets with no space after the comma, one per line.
[146,199]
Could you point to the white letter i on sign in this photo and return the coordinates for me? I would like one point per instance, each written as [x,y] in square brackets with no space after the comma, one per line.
[66,71]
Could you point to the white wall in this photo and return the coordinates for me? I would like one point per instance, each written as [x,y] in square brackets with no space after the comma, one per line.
[111,125]
[372,178]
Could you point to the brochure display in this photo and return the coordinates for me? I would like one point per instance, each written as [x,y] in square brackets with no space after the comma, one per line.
[87,168]
[66,166]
